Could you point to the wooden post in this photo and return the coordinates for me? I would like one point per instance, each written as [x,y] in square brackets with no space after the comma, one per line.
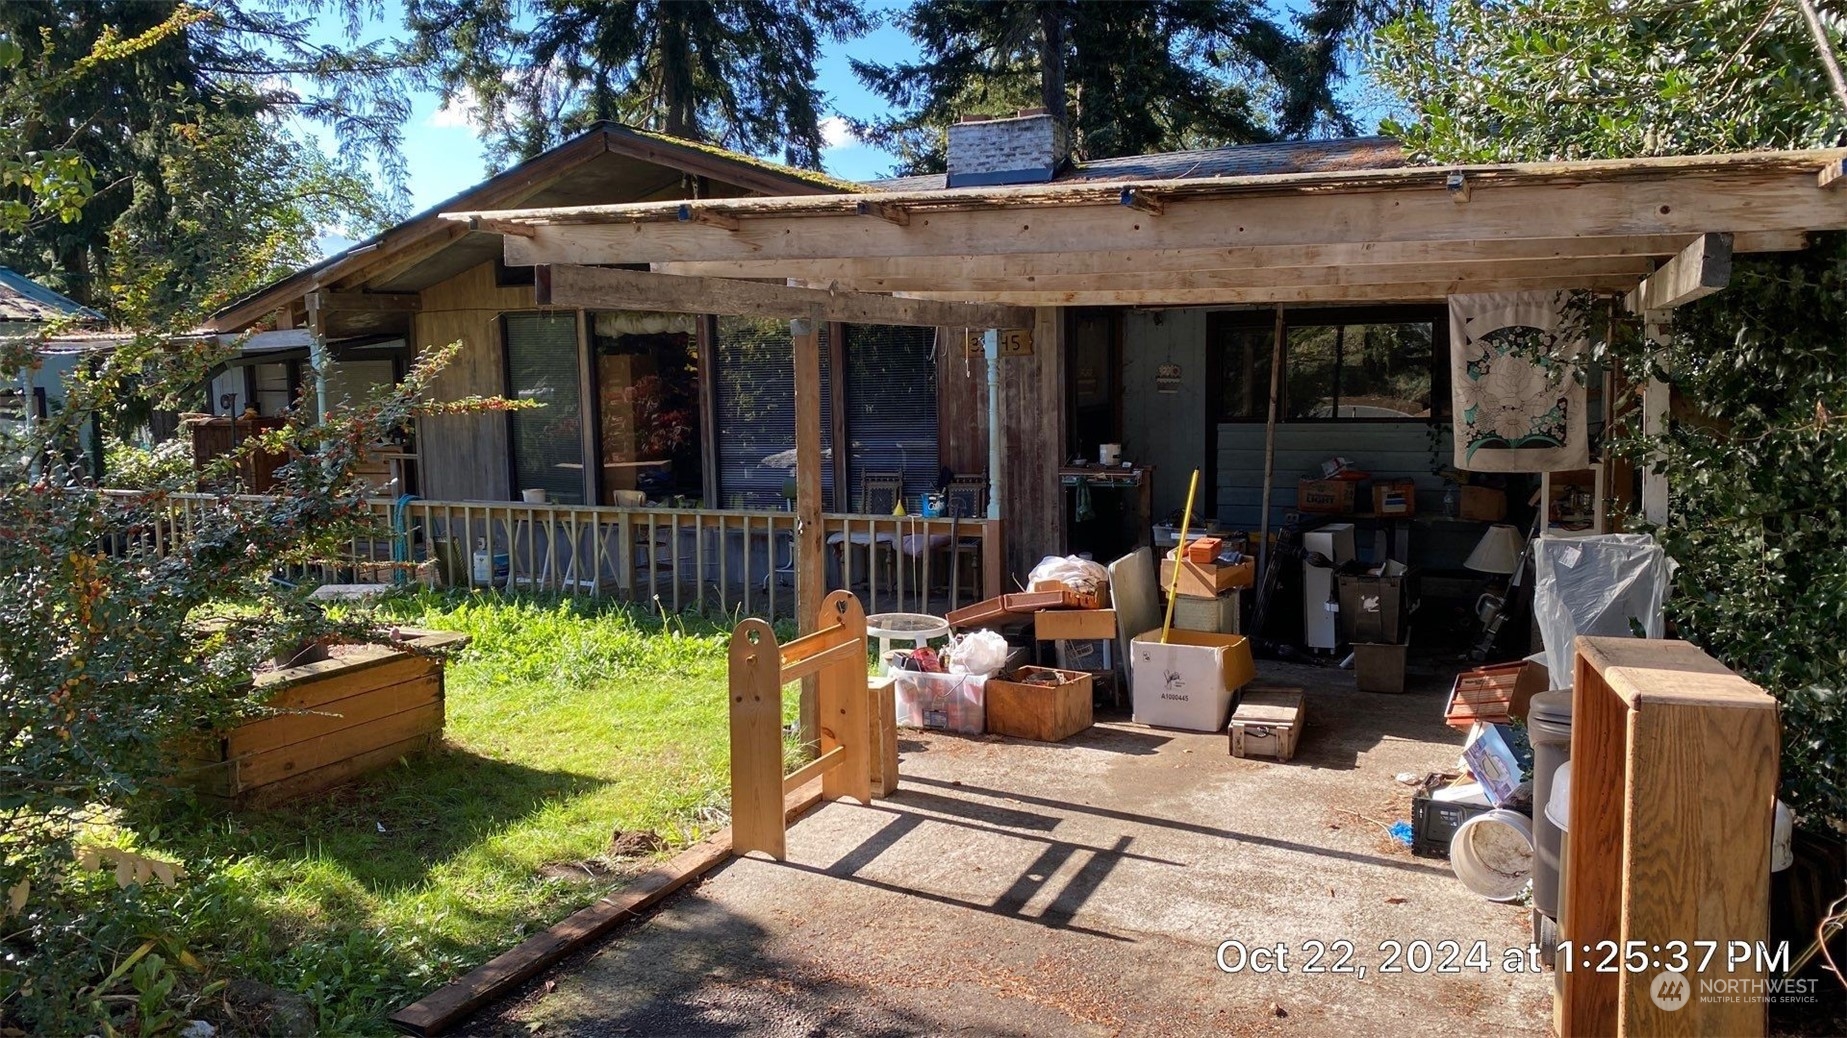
[756,741]
[1269,449]
[842,700]
[1655,400]
[810,555]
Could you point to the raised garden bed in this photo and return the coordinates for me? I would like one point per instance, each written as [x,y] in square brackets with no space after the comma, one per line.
[357,711]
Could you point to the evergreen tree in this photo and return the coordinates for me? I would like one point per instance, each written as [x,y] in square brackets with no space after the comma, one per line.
[1126,76]
[198,189]
[739,73]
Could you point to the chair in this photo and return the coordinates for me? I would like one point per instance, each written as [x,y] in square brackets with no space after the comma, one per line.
[879,495]
[964,498]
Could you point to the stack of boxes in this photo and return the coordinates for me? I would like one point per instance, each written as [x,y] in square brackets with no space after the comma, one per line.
[1207,588]
[1372,619]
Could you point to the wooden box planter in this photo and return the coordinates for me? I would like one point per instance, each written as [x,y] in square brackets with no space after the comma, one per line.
[1044,713]
[360,711]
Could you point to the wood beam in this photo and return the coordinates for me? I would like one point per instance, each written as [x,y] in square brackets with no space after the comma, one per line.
[600,288]
[366,302]
[1393,292]
[889,213]
[970,266]
[723,221]
[810,552]
[1699,270]
[1689,204]
[1142,200]
[1261,277]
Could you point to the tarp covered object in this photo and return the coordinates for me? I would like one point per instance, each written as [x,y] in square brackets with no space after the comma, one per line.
[1596,585]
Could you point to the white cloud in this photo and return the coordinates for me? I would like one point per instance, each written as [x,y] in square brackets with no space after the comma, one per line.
[461,111]
[835,133]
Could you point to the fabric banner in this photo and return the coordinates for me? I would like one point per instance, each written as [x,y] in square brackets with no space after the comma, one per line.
[1518,407]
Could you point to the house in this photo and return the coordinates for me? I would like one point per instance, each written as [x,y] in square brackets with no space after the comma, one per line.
[641,288]
[30,310]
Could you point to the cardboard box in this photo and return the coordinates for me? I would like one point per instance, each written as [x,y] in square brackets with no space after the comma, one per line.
[1061,624]
[1394,497]
[1371,608]
[1484,504]
[1028,709]
[1268,722]
[1325,496]
[1208,581]
[1187,682]
[1378,667]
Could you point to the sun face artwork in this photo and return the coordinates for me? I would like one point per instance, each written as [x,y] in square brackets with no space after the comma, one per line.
[1518,407]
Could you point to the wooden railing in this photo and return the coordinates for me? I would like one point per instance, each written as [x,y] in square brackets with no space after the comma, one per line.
[854,730]
[675,557]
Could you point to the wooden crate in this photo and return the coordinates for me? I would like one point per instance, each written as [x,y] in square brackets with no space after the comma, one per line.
[1673,775]
[350,715]
[1208,581]
[1045,713]
[1267,722]
[1066,624]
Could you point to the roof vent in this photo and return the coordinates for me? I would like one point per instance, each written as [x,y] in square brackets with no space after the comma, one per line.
[1028,148]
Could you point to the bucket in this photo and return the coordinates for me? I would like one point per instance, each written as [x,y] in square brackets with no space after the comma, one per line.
[1109,453]
[1492,854]
[533,497]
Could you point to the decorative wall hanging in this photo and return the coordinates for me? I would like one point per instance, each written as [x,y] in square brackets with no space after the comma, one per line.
[1517,405]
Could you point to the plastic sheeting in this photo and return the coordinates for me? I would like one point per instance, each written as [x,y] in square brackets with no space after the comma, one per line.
[1597,585]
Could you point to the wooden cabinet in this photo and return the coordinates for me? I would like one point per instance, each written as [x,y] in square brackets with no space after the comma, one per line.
[1673,780]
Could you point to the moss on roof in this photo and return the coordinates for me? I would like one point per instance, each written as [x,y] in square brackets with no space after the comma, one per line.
[811,176]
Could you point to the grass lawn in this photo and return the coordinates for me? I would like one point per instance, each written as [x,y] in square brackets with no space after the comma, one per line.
[568,721]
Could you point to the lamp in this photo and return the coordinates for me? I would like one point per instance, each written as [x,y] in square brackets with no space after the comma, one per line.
[1498,551]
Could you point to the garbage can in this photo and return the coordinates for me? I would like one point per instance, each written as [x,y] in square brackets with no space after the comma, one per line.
[1548,728]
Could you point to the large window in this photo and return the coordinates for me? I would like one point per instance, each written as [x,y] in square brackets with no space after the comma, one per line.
[756,414]
[647,378]
[891,407]
[1373,363]
[547,441]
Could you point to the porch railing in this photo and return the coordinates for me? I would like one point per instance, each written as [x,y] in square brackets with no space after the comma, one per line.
[681,558]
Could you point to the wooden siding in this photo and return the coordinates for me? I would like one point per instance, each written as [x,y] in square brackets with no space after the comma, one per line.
[1032,407]
[1386,450]
[464,457]
[961,404]
[1167,430]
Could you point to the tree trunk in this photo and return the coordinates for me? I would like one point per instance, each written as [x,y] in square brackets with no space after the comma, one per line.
[679,107]
[1052,59]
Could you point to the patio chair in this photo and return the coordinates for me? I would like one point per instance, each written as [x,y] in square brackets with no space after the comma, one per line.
[879,494]
[964,498]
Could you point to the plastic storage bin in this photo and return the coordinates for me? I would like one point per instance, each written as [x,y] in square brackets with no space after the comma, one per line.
[944,702]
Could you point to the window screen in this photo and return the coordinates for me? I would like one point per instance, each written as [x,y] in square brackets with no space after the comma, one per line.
[756,414]
[891,407]
[547,441]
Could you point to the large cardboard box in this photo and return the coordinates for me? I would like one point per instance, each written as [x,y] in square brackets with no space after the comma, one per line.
[1189,681]
[1062,624]
[1483,504]
[1325,496]
[1208,581]
[1039,703]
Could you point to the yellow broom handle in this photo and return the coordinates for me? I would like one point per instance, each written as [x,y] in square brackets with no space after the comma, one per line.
[1173,585]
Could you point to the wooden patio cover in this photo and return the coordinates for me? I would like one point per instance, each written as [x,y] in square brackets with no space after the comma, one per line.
[1660,228]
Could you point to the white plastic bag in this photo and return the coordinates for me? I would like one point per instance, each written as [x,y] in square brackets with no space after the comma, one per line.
[1596,585]
[1078,574]
[978,652]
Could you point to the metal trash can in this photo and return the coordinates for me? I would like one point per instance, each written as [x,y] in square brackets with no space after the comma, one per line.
[1548,728]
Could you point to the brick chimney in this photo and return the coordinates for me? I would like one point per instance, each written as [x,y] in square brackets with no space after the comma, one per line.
[1027,148]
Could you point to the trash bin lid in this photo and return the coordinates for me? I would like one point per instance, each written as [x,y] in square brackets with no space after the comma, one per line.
[1554,706]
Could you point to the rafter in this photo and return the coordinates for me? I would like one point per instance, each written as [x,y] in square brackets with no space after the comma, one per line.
[602,288]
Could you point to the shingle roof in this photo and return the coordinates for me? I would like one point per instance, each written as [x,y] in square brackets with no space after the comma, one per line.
[23,299]
[1234,161]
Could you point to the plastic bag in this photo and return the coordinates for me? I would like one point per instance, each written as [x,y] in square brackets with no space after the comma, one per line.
[1078,574]
[1596,585]
[978,652]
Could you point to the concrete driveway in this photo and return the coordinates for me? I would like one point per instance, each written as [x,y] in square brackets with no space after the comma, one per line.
[1084,888]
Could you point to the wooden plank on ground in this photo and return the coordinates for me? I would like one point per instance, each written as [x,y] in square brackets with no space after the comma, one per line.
[274,732]
[263,768]
[439,1011]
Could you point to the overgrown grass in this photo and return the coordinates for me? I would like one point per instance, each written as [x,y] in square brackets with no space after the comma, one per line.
[568,721]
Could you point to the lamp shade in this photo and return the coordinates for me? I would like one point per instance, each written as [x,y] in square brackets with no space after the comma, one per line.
[1498,551]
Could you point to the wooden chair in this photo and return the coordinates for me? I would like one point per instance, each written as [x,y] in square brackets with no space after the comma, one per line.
[966,497]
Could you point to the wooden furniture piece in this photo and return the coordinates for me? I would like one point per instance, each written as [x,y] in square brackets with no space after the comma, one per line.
[1673,780]
[834,653]
[966,497]
[1040,703]
[215,436]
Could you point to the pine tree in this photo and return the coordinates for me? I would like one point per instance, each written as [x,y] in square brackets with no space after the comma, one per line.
[739,73]
[1128,77]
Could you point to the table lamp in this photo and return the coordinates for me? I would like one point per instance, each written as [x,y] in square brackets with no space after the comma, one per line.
[1498,551]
